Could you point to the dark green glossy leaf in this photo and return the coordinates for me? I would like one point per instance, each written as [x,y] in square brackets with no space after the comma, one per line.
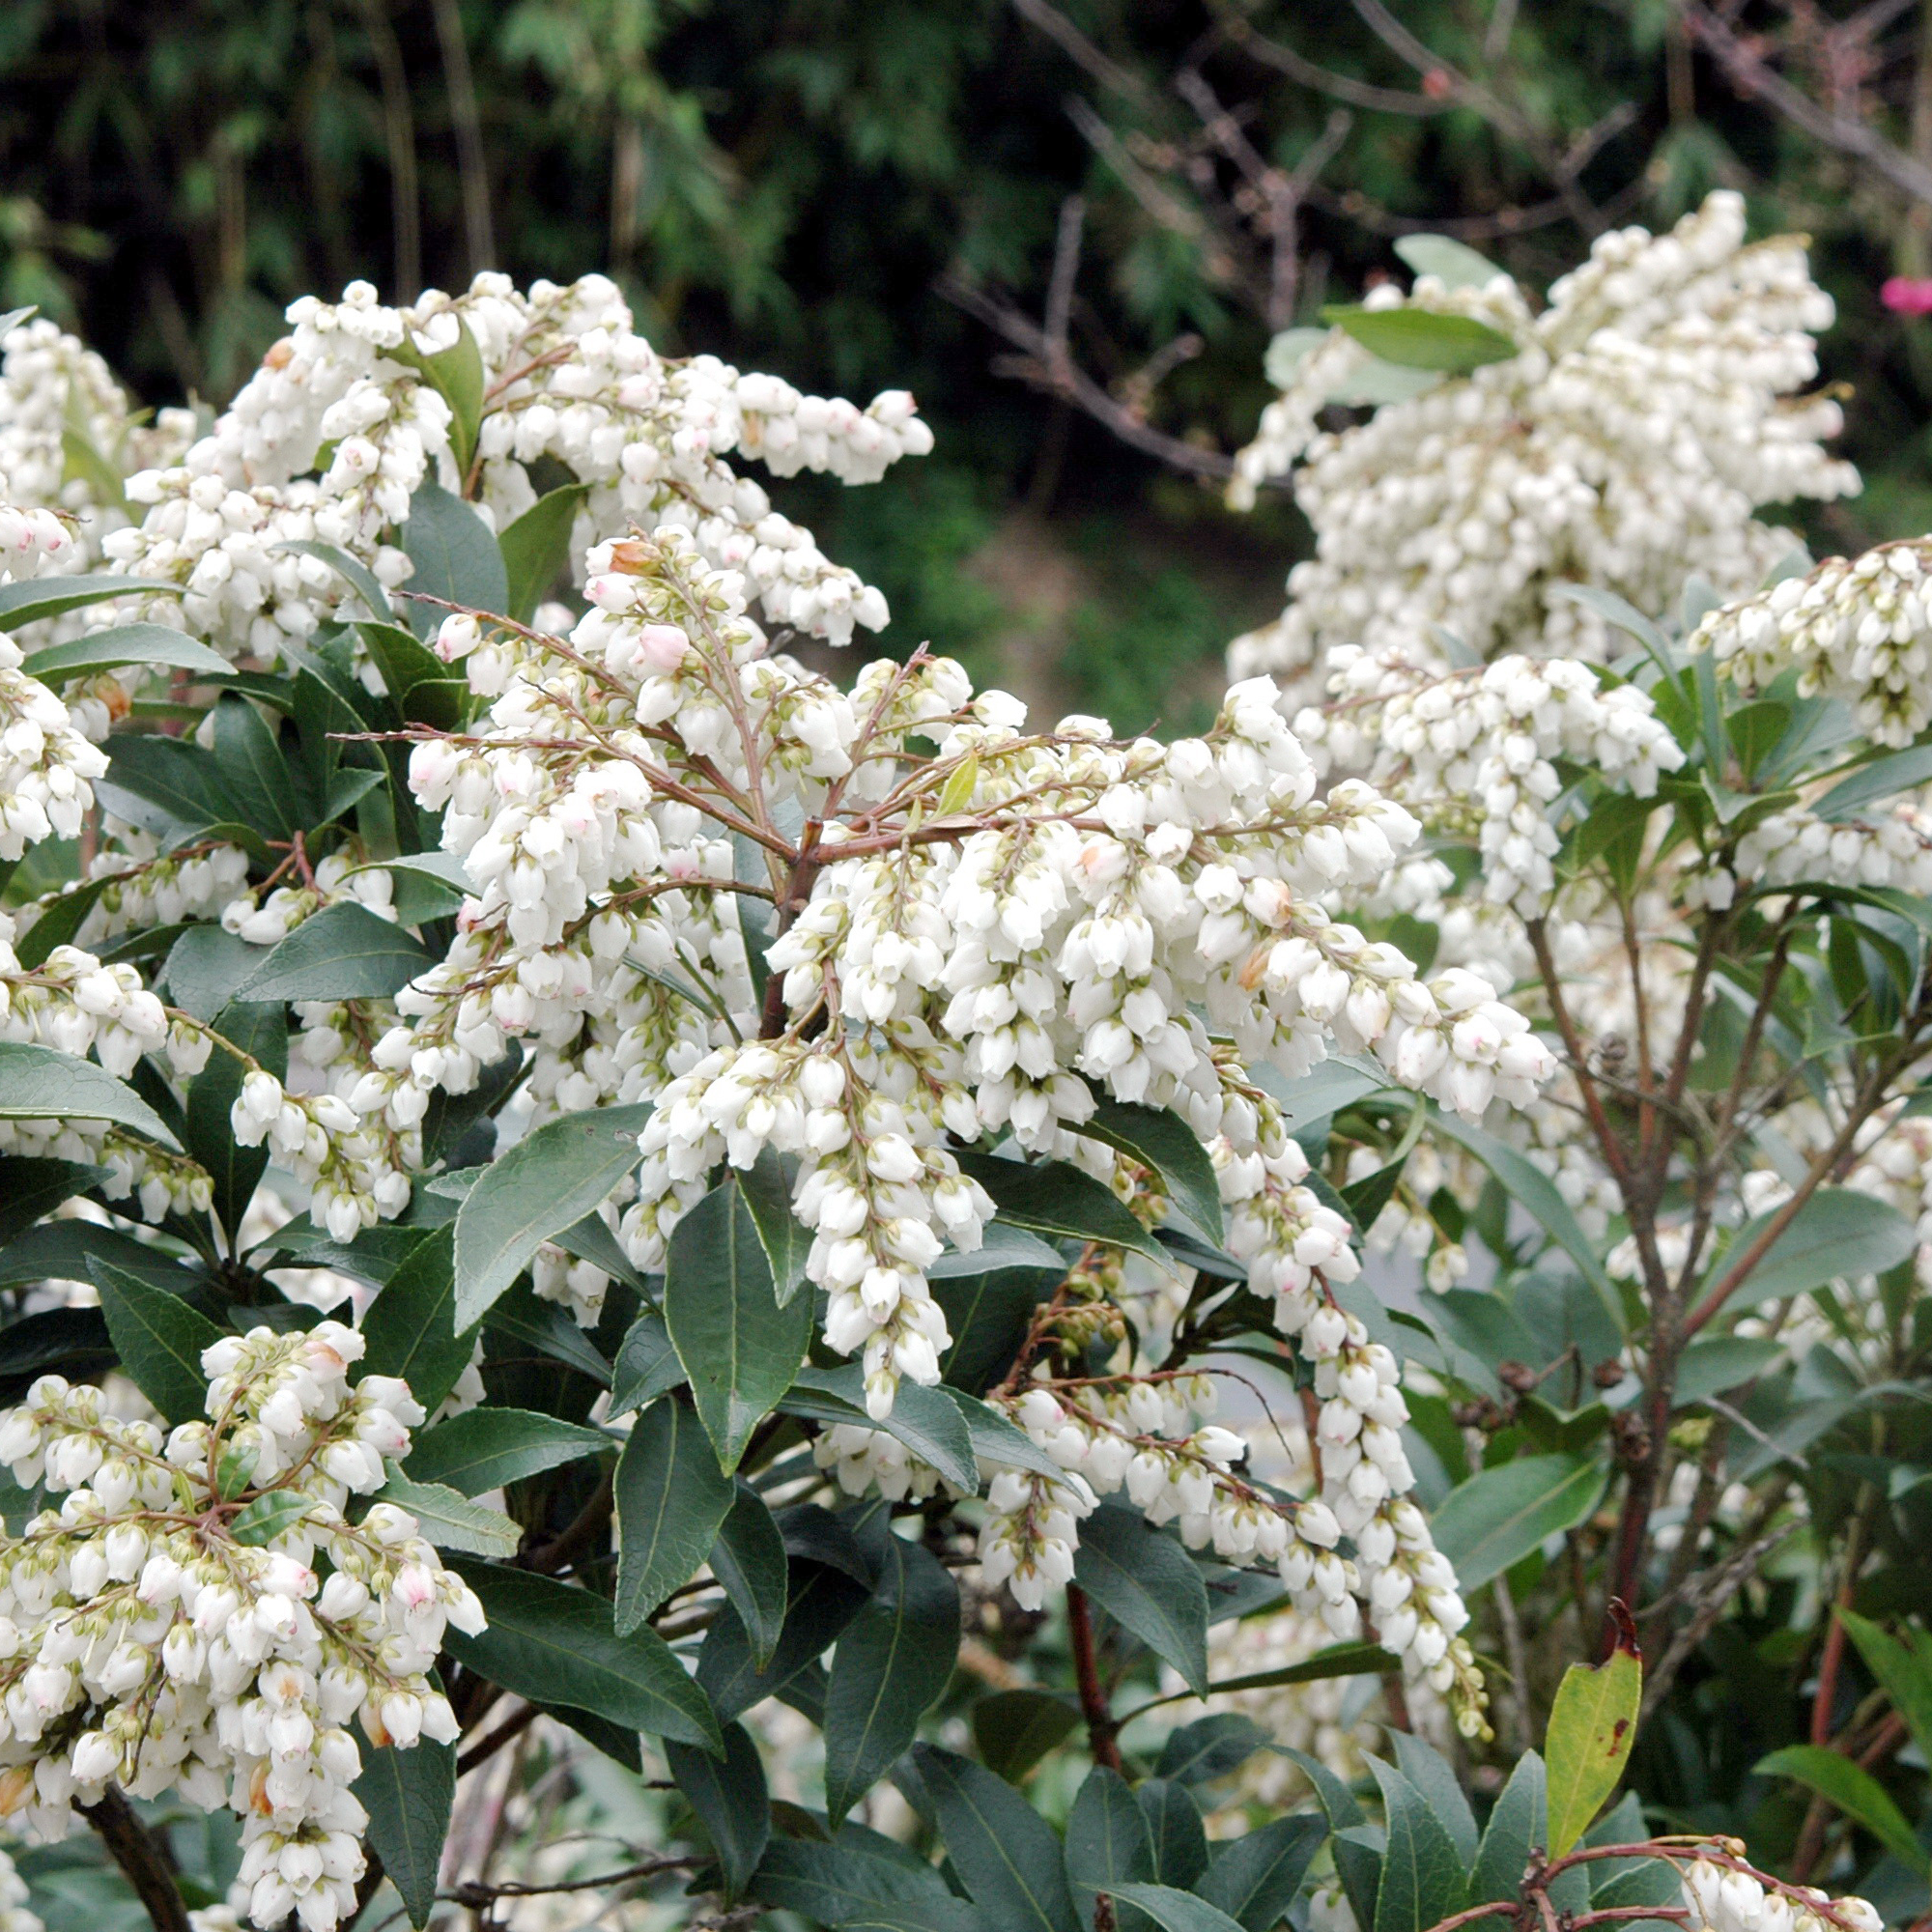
[345,952]
[1497,1516]
[729,1797]
[1147,1583]
[548,1182]
[204,968]
[450,1520]
[408,1795]
[927,1421]
[849,1883]
[1013,1730]
[122,646]
[1839,1232]
[1519,1826]
[484,1448]
[893,1661]
[1209,1747]
[32,1185]
[748,1559]
[556,1645]
[254,770]
[1157,1137]
[36,598]
[739,1349]
[1058,1200]
[411,1331]
[536,548]
[823,1602]
[158,1337]
[768,1190]
[455,556]
[1179,1837]
[1424,1879]
[1175,1911]
[646,1366]
[1254,1878]
[1108,1844]
[671,1500]
[1003,1850]
[38,1083]
[262,1032]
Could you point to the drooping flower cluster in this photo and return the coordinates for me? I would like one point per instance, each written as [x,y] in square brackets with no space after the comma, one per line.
[1723,1897]
[1646,415]
[1475,752]
[967,934]
[1859,629]
[565,378]
[44,763]
[57,397]
[164,1627]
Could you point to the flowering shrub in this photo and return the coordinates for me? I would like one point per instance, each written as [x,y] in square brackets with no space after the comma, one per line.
[850,1170]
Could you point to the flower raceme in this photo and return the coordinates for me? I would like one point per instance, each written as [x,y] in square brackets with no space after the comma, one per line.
[979,926]
[1648,411]
[208,1609]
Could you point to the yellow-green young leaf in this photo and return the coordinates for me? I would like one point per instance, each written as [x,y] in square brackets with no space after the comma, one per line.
[1592,1727]
[957,792]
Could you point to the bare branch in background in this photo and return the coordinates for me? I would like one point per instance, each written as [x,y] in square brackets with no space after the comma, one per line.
[467,123]
[1161,207]
[399,134]
[1241,32]
[1738,59]
[1079,49]
[1065,272]
[1036,365]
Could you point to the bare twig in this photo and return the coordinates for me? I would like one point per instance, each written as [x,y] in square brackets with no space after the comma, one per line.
[1065,274]
[1337,86]
[399,135]
[1751,75]
[1709,1593]
[467,123]
[1034,365]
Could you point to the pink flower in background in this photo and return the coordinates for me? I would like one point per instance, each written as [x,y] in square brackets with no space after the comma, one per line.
[1907,295]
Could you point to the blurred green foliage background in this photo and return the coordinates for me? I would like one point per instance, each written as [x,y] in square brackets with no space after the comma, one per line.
[786,182]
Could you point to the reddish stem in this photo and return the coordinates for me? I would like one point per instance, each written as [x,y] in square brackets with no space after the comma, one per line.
[1100,1725]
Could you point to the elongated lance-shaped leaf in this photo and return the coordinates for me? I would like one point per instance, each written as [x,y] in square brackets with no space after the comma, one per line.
[484,1448]
[1424,1879]
[1905,1675]
[732,1800]
[408,1795]
[671,1500]
[749,1558]
[1003,1850]
[555,1645]
[740,1350]
[1157,1137]
[1147,1583]
[1854,1791]
[893,1662]
[547,1182]
[158,1337]
[1500,1515]
[410,1330]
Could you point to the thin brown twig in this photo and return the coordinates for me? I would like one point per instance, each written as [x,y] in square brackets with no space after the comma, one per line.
[1751,75]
